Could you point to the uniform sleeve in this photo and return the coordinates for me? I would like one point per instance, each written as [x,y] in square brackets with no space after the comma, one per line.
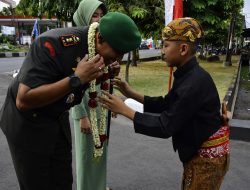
[41,65]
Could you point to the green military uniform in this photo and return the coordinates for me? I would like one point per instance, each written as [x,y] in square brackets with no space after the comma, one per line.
[40,139]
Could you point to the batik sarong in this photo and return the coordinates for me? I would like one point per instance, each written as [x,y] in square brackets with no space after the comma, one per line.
[206,170]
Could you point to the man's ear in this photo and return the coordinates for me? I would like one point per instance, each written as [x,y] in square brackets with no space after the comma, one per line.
[99,38]
[184,48]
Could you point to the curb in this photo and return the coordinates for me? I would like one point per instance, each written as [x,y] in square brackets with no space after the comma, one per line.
[239,129]
[230,97]
[12,54]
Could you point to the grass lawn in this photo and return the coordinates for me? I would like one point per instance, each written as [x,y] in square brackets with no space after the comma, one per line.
[151,78]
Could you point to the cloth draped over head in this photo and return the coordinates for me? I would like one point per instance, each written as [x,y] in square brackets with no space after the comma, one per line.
[120,32]
[183,29]
[85,11]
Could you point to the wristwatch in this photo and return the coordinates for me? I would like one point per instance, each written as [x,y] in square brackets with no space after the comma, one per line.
[74,81]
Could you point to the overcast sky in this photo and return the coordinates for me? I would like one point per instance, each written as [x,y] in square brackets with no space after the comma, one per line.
[245,11]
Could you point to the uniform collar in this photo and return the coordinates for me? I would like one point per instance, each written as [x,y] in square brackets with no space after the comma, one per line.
[186,67]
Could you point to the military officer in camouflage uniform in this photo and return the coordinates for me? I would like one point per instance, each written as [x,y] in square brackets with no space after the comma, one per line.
[34,117]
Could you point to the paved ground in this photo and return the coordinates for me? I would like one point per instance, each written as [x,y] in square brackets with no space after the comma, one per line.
[137,162]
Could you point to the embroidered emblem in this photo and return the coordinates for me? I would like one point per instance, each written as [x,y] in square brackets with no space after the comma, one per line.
[70,40]
[70,99]
[51,49]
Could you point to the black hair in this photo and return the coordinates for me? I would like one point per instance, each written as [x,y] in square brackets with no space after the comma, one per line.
[104,9]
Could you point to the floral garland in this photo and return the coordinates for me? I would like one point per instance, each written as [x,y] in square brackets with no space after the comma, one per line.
[99,134]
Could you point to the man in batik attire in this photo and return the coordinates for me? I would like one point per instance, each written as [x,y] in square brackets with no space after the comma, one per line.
[189,113]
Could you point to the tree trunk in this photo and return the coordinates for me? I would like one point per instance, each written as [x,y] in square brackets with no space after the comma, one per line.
[135,57]
[230,41]
[127,68]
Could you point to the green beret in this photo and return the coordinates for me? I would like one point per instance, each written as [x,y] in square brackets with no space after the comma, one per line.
[120,32]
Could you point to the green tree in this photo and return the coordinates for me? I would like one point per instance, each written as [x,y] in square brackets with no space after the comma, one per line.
[215,17]
[62,9]
[28,8]
[7,11]
[147,14]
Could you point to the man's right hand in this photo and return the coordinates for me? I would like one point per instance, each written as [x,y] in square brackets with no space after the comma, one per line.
[88,70]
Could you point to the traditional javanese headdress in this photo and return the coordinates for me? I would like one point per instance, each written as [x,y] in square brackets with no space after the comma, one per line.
[183,29]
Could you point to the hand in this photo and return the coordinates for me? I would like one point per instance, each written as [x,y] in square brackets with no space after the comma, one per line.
[122,86]
[88,70]
[116,105]
[85,125]
[115,68]
[112,102]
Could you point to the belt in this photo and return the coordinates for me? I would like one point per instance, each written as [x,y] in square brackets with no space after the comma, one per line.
[217,145]
[217,139]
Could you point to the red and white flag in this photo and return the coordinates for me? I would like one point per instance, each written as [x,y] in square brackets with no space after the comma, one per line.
[173,10]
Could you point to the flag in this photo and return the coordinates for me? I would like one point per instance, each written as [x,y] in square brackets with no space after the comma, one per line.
[178,9]
[169,11]
[35,31]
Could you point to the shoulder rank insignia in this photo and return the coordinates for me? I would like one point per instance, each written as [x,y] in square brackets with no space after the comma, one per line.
[70,40]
